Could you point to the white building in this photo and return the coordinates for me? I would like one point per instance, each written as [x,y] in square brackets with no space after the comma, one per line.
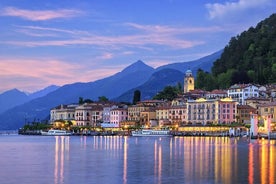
[88,114]
[240,92]
[63,112]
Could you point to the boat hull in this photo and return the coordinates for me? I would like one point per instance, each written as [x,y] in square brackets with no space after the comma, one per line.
[56,133]
[151,133]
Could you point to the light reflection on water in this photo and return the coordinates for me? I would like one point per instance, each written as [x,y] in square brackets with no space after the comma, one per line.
[61,150]
[116,159]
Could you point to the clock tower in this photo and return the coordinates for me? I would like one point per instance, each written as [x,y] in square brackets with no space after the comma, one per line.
[189,81]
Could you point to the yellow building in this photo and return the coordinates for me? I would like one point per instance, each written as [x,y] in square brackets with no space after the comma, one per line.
[146,117]
[63,112]
[134,111]
[189,81]
[265,110]
[162,115]
[244,113]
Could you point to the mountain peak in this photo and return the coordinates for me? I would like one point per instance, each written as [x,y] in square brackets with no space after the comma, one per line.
[13,91]
[137,66]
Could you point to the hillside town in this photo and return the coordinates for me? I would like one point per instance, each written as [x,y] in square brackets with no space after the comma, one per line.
[194,107]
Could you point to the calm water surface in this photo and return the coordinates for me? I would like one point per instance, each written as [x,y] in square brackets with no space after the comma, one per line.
[39,159]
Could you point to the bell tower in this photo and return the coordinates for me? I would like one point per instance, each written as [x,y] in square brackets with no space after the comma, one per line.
[189,81]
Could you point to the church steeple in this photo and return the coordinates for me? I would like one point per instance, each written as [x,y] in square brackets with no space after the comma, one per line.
[189,81]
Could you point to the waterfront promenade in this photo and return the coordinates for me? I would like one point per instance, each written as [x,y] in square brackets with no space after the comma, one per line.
[206,131]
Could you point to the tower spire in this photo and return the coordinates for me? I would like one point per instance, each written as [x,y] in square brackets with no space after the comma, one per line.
[189,81]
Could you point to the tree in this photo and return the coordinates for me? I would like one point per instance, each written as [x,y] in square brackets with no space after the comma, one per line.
[81,100]
[179,88]
[249,57]
[103,99]
[204,80]
[168,93]
[136,97]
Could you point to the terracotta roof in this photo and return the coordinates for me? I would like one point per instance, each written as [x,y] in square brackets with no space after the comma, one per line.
[216,91]
[268,104]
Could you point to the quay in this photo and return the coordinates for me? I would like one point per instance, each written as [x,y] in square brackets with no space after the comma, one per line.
[208,131]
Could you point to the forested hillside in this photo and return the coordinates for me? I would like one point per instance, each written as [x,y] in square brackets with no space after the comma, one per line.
[248,58]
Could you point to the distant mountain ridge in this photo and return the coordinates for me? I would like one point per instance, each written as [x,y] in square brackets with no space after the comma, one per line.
[204,63]
[43,92]
[119,86]
[14,97]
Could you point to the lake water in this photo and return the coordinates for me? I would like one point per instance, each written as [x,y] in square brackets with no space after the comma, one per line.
[117,159]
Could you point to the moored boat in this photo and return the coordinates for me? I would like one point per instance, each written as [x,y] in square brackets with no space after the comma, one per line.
[56,132]
[149,132]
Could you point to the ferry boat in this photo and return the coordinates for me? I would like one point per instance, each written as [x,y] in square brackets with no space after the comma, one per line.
[56,132]
[149,132]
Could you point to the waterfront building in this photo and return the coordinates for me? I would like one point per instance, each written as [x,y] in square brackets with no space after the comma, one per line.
[244,112]
[268,109]
[177,115]
[134,111]
[106,114]
[216,94]
[96,115]
[240,92]
[201,111]
[148,118]
[256,101]
[118,115]
[63,112]
[205,111]
[227,109]
[189,81]
[88,114]
[83,114]
[162,115]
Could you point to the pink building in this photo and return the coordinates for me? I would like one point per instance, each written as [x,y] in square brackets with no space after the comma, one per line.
[216,111]
[118,115]
[227,109]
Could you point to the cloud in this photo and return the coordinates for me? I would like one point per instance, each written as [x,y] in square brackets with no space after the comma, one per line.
[113,42]
[50,29]
[159,29]
[143,36]
[31,74]
[105,56]
[40,15]
[219,10]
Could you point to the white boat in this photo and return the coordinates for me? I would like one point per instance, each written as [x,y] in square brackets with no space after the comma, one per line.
[149,132]
[56,132]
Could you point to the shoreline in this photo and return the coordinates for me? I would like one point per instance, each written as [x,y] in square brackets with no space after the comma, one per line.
[174,133]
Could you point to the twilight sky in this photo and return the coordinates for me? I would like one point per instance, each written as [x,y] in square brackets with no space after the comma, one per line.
[61,42]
